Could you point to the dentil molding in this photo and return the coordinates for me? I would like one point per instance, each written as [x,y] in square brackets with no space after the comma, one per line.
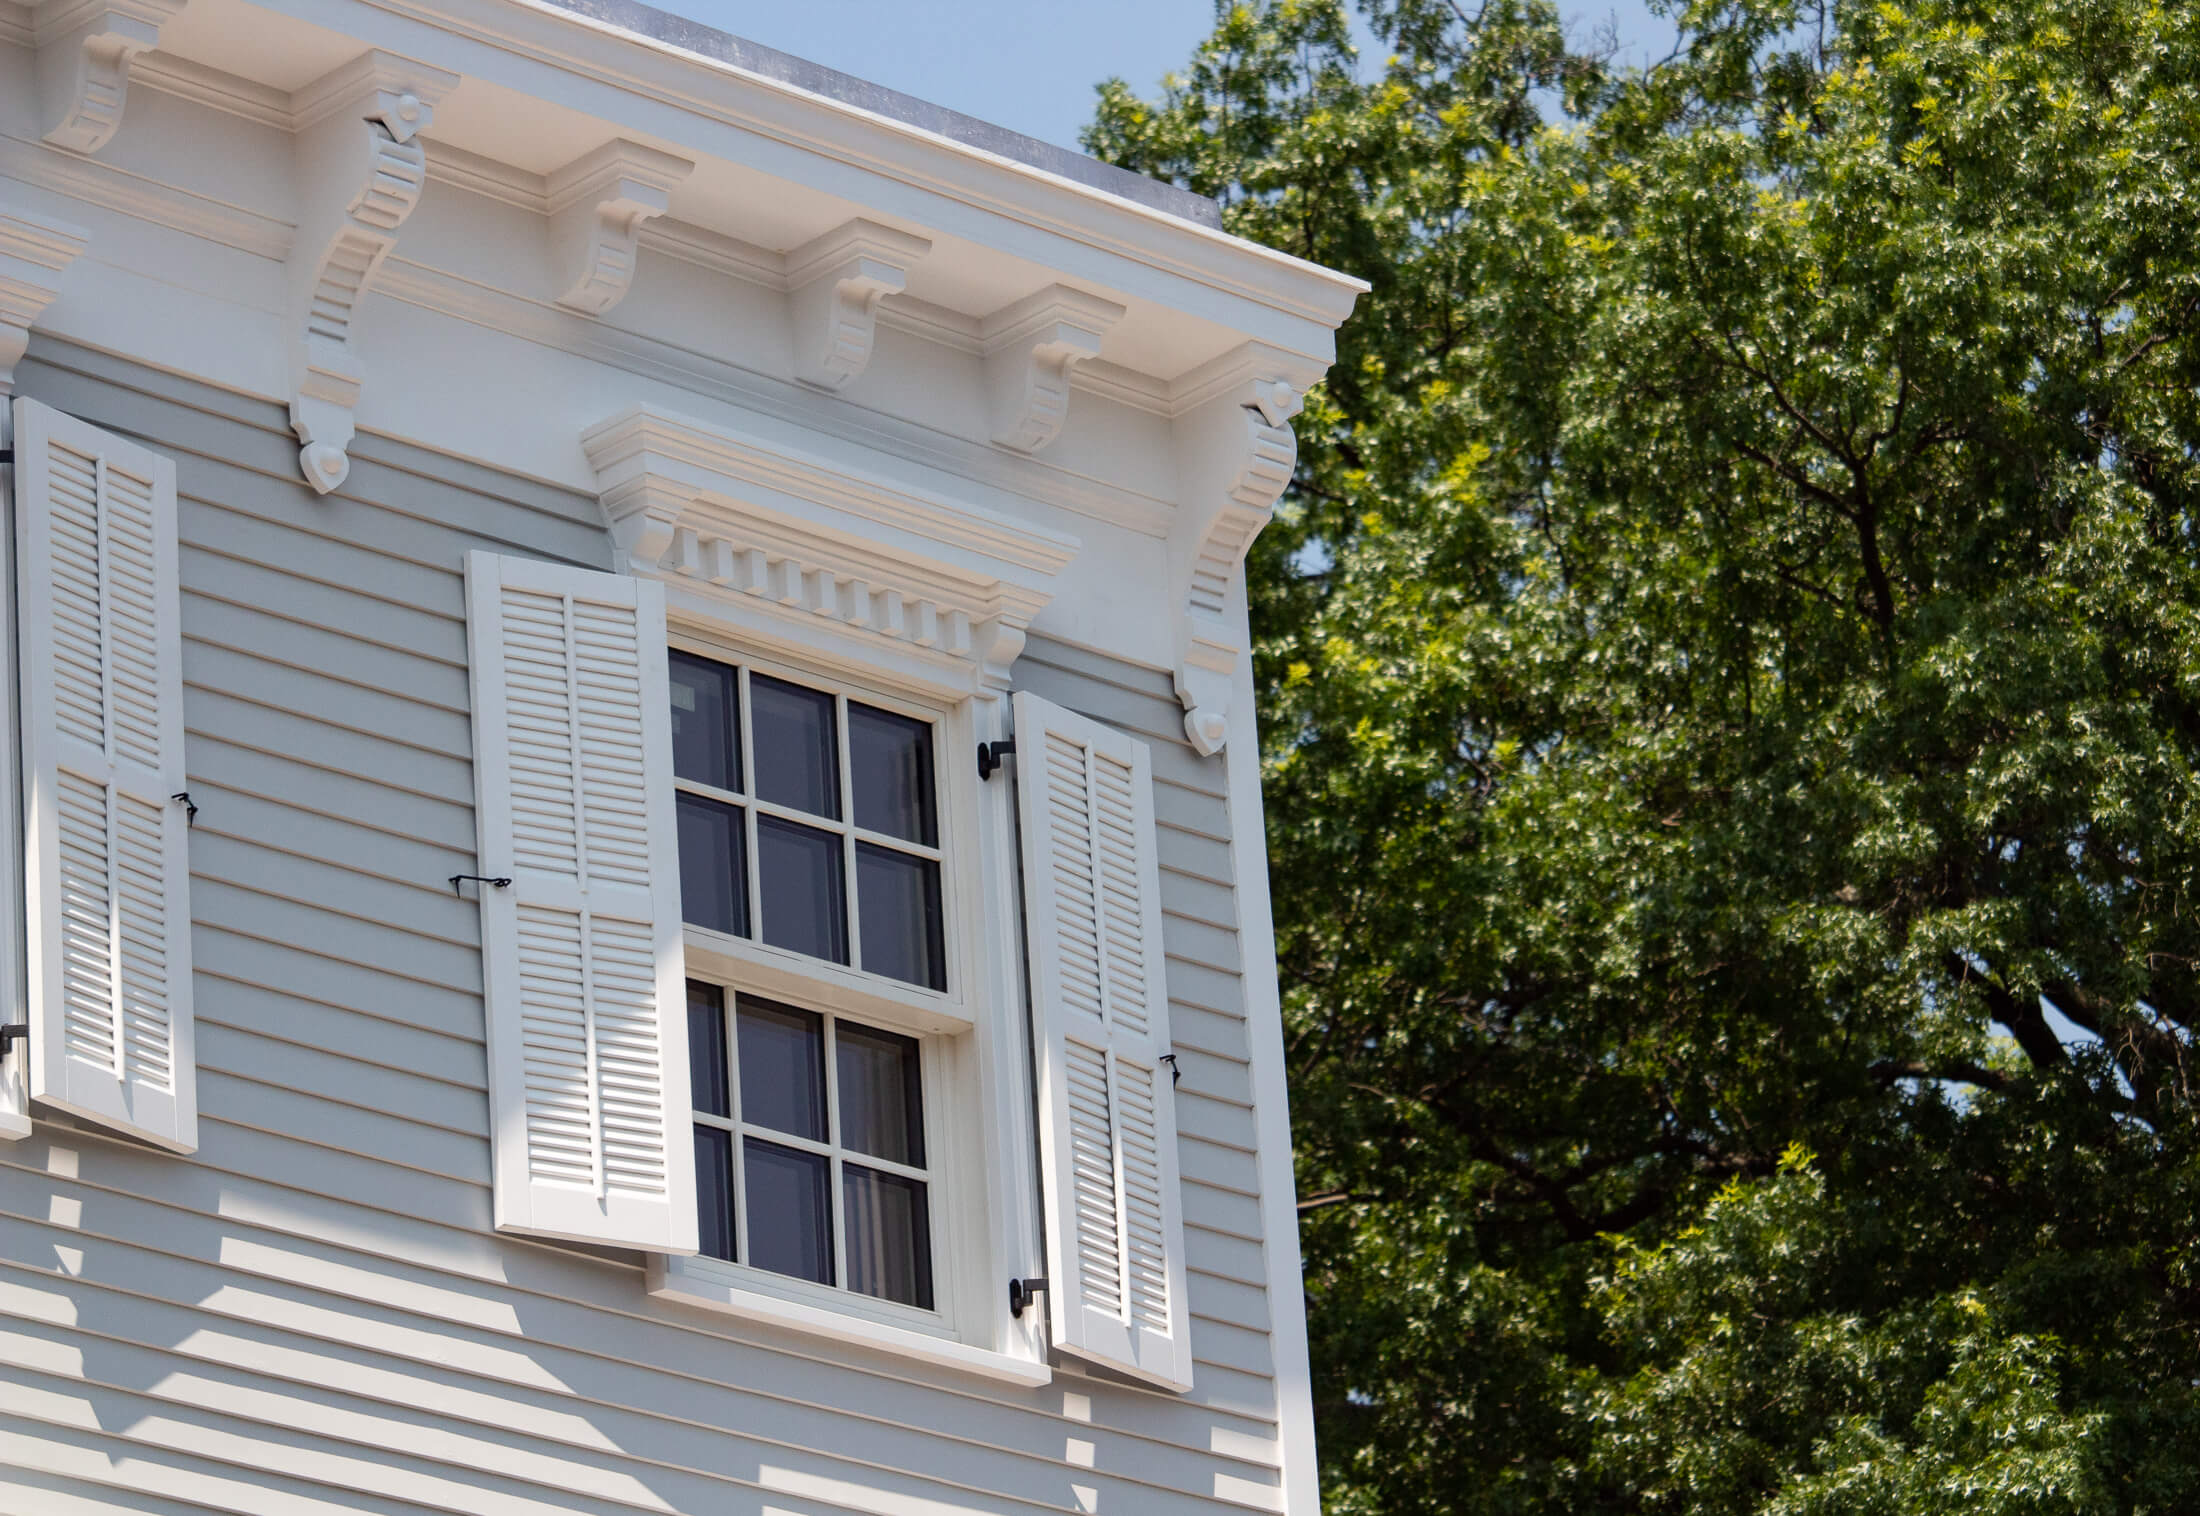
[1030,349]
[360,166]
[34,252]
[85,50]
[792,548]
[597,205]
[836,282]
[1236,453]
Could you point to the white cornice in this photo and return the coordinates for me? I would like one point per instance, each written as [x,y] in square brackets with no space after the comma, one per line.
[34,253]
[788,543]
[99,183]
[716,379]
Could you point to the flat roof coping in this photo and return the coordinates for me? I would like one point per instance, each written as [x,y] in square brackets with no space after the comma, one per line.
[723,47]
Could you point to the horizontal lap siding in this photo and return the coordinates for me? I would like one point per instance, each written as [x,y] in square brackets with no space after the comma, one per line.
[311,1313]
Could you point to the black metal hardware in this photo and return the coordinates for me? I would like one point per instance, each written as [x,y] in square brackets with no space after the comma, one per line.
[14,1031]
[190,808]
[1176,1075]
[1020,1293]
[990,755]
[7,455]
[494,881]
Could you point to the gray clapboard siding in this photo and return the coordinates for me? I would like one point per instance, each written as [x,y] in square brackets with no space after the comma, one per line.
[255,1328]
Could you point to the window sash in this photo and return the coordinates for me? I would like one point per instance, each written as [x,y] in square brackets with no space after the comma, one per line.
[838,1157]
[753,807]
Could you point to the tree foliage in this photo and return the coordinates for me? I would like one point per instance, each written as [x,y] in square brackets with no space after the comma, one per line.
[1731,664]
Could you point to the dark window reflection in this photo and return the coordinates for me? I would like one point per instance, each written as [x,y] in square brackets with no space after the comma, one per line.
[706,722]
[898,897]
[782,1069]
[797,750]
[707,1047]
[714,1192]
[790,1210]
[714,870]
[881,1100]
[805,896]
[890,768]
[889,1237]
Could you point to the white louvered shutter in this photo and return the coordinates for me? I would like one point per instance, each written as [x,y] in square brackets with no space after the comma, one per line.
[106,867]
[1107,1109]
[581,956]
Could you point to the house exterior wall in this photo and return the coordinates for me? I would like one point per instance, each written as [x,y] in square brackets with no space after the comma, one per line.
[313,1311]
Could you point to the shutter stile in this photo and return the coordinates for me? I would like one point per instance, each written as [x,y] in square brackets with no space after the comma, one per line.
[107,881]
[581,956]
[1092,911]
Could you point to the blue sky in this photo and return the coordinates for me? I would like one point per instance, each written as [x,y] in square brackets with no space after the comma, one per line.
[1026,64]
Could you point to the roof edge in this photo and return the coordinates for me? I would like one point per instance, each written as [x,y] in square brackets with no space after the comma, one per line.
[667,29]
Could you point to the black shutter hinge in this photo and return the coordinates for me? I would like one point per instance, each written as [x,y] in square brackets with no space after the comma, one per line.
[990,755]
[7,455]
[14,1032]
[494,881]
[1176,1075]
[190,808]
[1021,1293]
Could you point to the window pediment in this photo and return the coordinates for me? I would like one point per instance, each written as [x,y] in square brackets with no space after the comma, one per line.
[789,546]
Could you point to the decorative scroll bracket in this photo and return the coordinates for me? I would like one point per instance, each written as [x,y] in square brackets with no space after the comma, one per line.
[360,168]
[1030,348]
[34,253]
[1236,454]
[836,282]
[597,206]
[85,49]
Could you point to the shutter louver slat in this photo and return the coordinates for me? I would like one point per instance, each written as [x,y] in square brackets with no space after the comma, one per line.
[1107,1113]
[581,956]
[107,883]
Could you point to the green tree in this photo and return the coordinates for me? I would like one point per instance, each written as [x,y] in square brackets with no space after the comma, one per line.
[1731,662]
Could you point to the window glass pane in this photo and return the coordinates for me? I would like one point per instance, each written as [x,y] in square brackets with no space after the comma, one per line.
[889,1237]
[790,1215]
[782,1069]
[898,899]
[805,899]
[706,706]
[707,1047]
[714,1191]
[890,766]
[797,758]
[714,870]
[881,1100]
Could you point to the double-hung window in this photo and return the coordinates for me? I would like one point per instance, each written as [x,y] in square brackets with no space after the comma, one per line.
[809,830]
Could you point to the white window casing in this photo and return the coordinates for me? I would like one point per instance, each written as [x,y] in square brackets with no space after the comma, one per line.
[1107,1115]
[582,962]
[106,863]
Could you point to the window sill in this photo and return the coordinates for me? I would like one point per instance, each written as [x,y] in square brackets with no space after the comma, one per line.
[702,1282]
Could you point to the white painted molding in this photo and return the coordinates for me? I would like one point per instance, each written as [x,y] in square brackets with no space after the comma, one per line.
[1235,457]
[793,548]
[597,205]
[360,167]
[85,50]
[1030,349]
[34,253]
[837,281]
